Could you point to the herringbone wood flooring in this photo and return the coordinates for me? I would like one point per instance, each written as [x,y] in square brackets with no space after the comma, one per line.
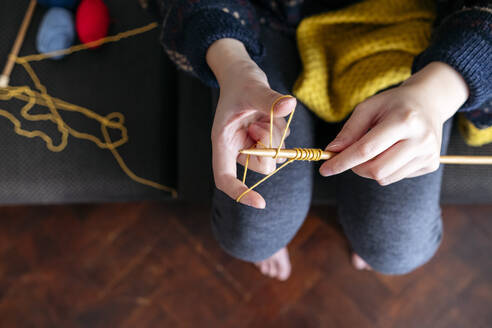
[157,265]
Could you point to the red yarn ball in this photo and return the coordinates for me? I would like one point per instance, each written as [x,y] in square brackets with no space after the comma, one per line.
[91,20]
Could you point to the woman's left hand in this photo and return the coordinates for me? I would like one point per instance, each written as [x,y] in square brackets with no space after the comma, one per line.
[397,134]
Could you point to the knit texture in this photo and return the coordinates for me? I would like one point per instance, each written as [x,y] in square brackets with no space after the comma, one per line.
[350,54]
[189,30]
[469,52]
[204,28]
[461,37]
[473,135]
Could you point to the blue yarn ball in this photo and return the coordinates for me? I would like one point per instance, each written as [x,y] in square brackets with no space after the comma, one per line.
[56,31]
[70,4]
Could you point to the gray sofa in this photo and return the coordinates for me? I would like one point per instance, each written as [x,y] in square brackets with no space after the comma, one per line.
[164,122]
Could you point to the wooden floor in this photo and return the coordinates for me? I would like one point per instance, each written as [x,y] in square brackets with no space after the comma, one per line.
[157,265]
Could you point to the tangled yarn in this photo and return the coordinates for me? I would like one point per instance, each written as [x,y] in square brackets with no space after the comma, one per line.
[40,96]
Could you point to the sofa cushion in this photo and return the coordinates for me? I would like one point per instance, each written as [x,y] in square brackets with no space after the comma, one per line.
[131,76]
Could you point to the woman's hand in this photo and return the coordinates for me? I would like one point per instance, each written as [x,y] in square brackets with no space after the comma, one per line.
[397,134]
[242,117]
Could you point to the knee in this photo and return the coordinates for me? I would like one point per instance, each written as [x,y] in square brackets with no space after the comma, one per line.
[400,252]
[398,262]
[242,241]
[253,235]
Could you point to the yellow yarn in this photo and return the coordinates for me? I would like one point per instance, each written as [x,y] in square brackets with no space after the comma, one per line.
[350,54]
[54,105]
[474,136]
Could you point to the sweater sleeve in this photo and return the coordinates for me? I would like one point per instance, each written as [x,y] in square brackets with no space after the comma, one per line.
[189,27]
[463,40]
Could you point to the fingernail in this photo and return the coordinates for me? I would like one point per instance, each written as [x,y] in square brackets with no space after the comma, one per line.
[325,172]
[333,144]
[249,201]
[284,100]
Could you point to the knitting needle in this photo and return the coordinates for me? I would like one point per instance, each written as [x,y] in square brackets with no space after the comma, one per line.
[5,77]
[283,153]
[291,153]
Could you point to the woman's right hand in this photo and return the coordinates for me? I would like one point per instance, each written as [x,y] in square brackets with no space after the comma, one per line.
[242,117]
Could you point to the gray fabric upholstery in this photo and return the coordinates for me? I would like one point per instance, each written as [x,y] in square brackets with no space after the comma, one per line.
[132,76]
[166,114]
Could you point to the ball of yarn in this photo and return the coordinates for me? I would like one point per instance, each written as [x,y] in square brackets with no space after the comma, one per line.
[91,20]
[56,31]
[70,4]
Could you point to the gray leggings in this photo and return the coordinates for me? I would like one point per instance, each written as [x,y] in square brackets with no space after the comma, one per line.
[395,228]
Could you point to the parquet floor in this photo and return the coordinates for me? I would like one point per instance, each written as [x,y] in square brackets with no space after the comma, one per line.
[157,265]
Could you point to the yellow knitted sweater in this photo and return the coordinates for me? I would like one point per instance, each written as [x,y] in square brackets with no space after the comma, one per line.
[350,54]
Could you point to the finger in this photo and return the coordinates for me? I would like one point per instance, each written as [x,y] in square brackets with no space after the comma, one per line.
[260,164]
[260,131]
[264,268]
[278,130]
[273,269]
[356,126]
[264,134]
[241,159]
[426,170]
[280,122]
[283,104]
[412,169]
[224,169]
[279,125]
[388,162]
[373,143]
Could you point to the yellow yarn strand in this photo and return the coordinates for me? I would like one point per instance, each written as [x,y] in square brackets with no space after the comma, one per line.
[84,46]
[262,180]
[271,145]
[41,97]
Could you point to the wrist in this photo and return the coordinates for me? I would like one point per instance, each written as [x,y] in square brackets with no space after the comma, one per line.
[441,87]
[229,58]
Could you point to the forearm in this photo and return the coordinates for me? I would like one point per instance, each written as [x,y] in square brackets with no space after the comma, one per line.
[462,39]
[229,57]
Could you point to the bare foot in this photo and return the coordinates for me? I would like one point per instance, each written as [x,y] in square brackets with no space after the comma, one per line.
[276,266]
[359,263]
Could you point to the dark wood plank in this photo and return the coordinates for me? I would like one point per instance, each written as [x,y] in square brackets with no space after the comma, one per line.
[158,265]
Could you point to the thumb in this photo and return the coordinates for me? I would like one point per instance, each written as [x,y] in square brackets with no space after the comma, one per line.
[283,105]
[356,126]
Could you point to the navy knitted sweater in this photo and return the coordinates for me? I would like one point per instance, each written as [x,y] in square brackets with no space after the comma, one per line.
[462,37]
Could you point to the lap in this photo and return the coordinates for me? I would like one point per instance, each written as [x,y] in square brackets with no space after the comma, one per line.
[401,220]
[401,217]
[253,234]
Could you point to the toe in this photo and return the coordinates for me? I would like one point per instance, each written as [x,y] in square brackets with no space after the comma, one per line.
[283,272]
[359,263]
[263,267]
[272,271]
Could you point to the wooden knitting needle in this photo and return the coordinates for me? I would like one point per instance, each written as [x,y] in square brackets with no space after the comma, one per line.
[291,153]
[5,77]
[283,153]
